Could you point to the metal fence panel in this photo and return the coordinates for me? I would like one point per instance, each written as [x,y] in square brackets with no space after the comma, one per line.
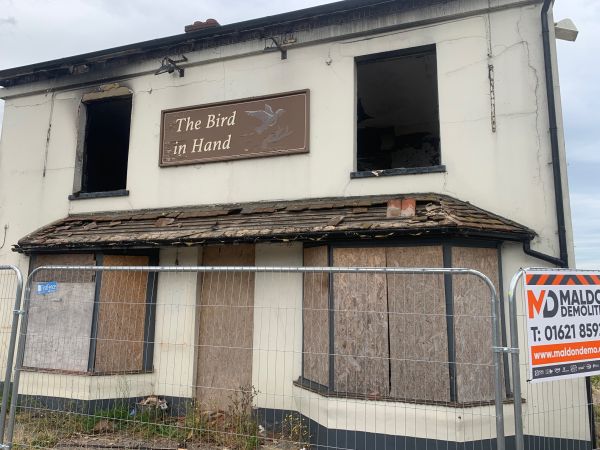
[552,414]
[11,288]
[248,357]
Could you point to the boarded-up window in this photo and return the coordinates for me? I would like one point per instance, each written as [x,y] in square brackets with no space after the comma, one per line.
[60,314]
[316,317]
[472,323]
[418,330]
[122,316]
[83,321]
[226,317]
[361,362]
[390,332]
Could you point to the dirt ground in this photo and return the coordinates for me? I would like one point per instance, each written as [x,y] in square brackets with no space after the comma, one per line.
[121,441]
[115,442]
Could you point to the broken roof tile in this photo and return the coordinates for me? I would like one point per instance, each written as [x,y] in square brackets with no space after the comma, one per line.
[334,221]
[164,221]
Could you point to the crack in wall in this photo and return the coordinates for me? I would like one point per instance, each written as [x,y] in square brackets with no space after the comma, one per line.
[32,105]
[505,48]
[48,133]
[536,77]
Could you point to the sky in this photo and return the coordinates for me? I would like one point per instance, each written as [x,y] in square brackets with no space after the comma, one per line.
[40,30]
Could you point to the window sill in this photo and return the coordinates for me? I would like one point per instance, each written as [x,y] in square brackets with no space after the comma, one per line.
[86,374]
[398,171]
[104,194]
[323,391]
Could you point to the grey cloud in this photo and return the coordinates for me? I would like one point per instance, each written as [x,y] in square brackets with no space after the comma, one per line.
[580,91]
[8,21]
[586,223]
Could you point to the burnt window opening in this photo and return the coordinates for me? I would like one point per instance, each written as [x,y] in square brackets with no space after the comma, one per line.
[397,110]
[106,145]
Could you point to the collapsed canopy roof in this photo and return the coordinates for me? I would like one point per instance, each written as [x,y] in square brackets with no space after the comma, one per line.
[300,220]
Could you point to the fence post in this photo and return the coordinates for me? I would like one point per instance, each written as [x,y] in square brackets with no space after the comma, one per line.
[18,365]
[497,371]
[11,345]
[498,350]
[516,368]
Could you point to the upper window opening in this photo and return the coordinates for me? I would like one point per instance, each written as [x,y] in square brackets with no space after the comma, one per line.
[106,145]
[397,110]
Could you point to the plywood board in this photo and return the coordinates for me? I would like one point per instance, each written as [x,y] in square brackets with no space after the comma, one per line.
[418,331]
[121,316]
[226,319]
[361,362]
[316,317]
[59,328]
[472,323]
[65,259]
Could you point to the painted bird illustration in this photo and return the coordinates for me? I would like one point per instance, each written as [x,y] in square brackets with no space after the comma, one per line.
[268,117]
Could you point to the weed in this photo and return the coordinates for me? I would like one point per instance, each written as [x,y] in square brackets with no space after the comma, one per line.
[236,428]
[295,429]
[44,439]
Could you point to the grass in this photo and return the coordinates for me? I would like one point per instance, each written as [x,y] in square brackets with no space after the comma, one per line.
[235,429]
[44,429]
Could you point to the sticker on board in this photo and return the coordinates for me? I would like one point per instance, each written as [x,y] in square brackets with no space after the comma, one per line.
[47,288]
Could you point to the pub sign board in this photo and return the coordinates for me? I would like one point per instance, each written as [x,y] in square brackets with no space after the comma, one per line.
[260,126]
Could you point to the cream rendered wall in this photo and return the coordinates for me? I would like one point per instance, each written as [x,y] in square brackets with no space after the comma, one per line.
[403,419]
[277,355]
[507,172]
[83,387]
[175,338]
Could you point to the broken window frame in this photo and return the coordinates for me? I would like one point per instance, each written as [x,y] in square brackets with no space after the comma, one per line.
[392,171]
[149,316]
[329,390]
[80,190]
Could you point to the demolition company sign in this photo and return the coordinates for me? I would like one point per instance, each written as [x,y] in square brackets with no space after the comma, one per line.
[261,126]
[563,324]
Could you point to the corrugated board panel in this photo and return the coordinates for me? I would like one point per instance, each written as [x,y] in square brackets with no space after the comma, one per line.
[418,331]
[226,326]
[65,259]
[316,317]
[472,323]
[361,363]
[121,316]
